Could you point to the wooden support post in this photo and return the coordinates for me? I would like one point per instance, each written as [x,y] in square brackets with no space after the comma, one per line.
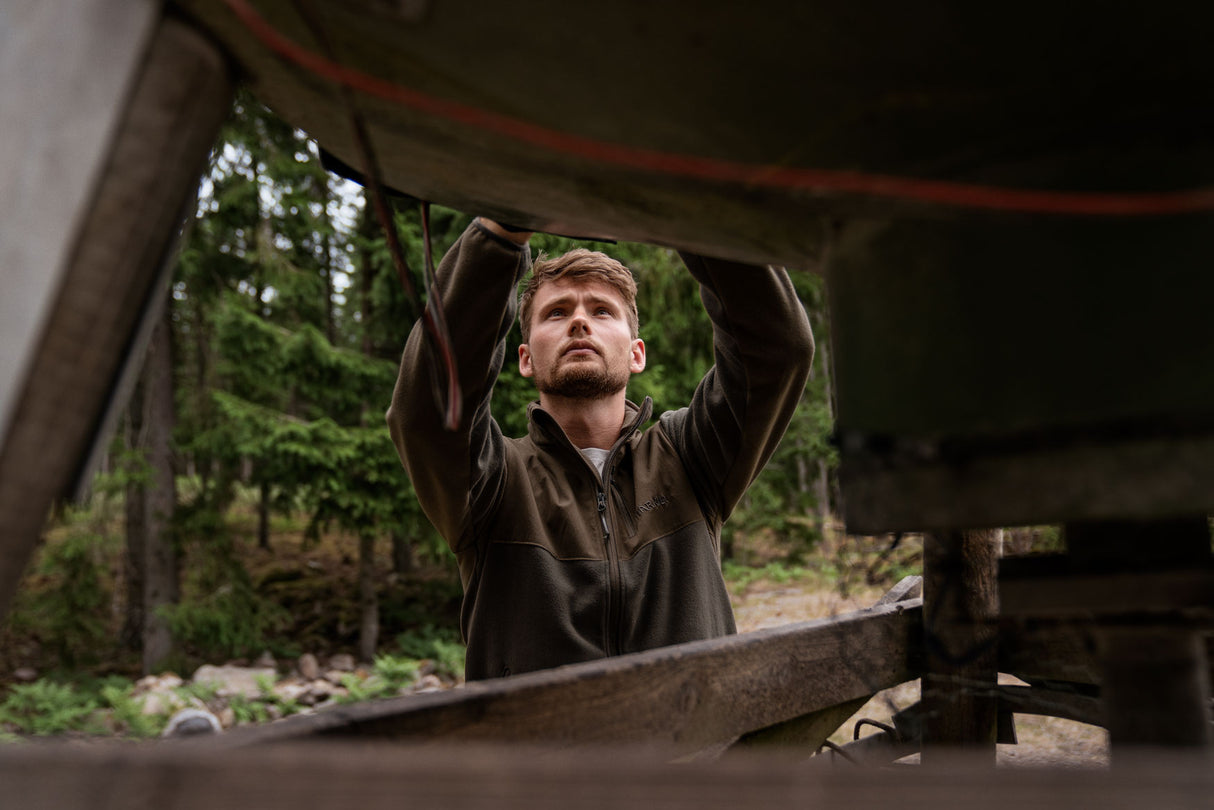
[960,641]
[1154,671]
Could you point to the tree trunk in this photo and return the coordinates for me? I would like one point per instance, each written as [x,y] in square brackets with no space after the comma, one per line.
[402,554]
[131,635]
[827,488]
[160,555]
[263,516]
[327,265]
[368,600]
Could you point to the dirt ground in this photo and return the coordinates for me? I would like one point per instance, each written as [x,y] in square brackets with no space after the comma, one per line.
[1042,741]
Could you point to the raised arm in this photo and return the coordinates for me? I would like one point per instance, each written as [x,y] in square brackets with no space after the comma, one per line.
[763,350]
[476,280]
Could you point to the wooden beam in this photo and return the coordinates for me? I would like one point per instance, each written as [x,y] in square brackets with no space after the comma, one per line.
[1077,706]
[1140,476]
[688,697]
[115,241]
[1035,651]
[333,776]
[807,732]
[1055,586]
[810,731]
[68,66]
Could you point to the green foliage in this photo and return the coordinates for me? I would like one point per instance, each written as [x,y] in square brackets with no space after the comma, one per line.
[225,616]
[740,577]
[69,610]
[388,677]
[228,622]
[441,645]
[206,692]
[44,708]
[247,710]
[126,713]
[395,672]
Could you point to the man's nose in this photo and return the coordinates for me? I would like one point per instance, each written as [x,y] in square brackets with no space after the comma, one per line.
[579,321]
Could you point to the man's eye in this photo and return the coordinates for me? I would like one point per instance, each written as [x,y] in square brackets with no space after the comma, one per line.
[555,313]
[603,311]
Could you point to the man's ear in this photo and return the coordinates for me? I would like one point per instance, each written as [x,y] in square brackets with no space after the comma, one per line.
[636,362]
[524,360]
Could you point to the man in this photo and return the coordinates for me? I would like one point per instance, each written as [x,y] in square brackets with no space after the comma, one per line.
[591,537]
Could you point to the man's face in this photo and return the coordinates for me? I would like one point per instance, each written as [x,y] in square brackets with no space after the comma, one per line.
[581,346]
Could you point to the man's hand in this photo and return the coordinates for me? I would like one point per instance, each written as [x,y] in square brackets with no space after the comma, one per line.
[517,237]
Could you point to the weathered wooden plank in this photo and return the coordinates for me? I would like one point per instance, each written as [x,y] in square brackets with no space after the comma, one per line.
[1077,706]
[1049,651]
[324,776]
[115,244]
[1054,587]
[67,65]
[808,732]
[687,697]
[1026,483]
[1061,653]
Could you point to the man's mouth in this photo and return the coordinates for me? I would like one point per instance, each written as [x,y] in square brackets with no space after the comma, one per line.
[580,348]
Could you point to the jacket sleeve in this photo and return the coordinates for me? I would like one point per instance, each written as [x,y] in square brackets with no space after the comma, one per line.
[763,351]
[456,474]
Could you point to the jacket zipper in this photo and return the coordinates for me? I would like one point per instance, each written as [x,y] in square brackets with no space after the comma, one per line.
[613,579]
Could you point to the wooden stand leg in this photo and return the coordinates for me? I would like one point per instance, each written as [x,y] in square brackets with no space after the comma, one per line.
[1155,673]
[960,598]
[1156,686]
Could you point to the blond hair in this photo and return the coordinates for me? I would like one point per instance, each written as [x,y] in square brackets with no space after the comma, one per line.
[581,264]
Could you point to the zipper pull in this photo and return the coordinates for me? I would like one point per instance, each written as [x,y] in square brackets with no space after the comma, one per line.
[603,515]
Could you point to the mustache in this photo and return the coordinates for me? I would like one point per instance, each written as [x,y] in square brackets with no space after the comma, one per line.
[581,343]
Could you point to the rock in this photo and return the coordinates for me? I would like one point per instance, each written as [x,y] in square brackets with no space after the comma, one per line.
[230,680]
[319,691]
[155,694]
[428,683]
[159,702]
[266,660]
[192,722]
[292,690]
[157,683]
[309,667]
[25,674]
[343,662]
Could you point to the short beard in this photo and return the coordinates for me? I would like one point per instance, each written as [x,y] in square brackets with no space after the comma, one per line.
[583,383]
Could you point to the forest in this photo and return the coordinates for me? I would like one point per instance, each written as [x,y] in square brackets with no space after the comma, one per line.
[251,500]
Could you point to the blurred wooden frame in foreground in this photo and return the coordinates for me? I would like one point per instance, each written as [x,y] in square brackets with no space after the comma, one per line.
[370,777]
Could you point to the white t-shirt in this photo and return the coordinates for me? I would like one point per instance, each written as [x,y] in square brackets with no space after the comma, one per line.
[596,456]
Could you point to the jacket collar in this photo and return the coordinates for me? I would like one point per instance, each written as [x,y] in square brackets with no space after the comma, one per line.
[544,430]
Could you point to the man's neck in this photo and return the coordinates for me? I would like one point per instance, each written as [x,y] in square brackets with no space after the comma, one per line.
[588,422]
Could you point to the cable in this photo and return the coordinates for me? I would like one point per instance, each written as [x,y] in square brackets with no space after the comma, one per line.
[963,195]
